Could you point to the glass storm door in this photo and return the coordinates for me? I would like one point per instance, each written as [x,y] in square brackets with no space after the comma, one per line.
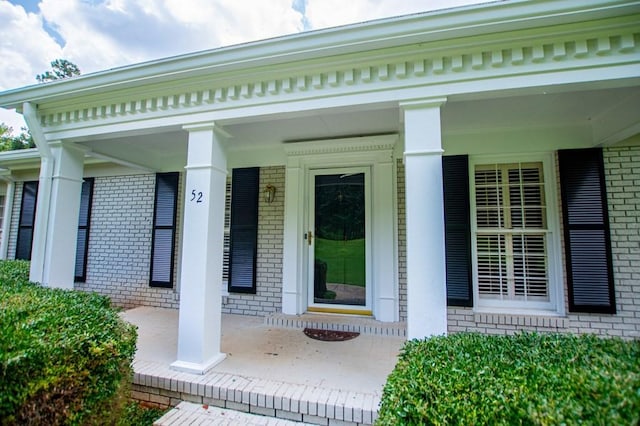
[338,240]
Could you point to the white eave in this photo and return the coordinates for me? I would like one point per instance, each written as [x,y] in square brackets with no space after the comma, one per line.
[19,159]
[448,24]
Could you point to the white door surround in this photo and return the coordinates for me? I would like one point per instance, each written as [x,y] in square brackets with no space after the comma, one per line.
[374,153]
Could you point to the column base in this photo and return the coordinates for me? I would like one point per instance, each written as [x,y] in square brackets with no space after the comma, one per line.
[421,331]
[387,309]
[290,303]
[197,368]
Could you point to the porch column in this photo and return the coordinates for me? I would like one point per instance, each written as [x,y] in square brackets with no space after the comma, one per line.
[56,229]
[200,318]
[426,285]
[293,291]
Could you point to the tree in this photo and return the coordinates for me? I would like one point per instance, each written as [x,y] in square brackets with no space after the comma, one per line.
[10,142]
[60,69]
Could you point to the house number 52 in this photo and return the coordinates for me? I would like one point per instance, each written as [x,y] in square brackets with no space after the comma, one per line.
[196,196]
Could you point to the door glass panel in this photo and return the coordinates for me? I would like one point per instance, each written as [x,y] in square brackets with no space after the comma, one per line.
[339,263]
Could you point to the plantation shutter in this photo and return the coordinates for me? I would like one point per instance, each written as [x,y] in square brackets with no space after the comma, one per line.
[511,233]
[244,230]
[27,219]
[586,231]
[457,228]
[84,221]
[227,232]
[164,228]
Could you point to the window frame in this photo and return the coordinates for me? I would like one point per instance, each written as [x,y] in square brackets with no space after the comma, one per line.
[553,243]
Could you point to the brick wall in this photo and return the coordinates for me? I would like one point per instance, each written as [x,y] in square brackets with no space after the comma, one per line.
[268,297]
[120,243]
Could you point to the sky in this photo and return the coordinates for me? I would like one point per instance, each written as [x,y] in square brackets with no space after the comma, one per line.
[101,34]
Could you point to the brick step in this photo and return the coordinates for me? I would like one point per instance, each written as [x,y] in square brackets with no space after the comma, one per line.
[159,385]
[187,413]
[357,324]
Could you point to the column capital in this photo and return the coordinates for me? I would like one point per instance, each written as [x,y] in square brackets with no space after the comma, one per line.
[209,125]
[206,147]
[422,126]
[57,143]
[423,103]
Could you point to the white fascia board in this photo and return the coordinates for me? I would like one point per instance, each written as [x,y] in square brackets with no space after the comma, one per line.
[423,27]
[20,159]
[19,155]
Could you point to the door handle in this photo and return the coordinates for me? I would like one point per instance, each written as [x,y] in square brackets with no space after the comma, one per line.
[309,237]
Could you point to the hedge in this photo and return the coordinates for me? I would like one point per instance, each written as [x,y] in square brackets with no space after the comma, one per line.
[65,356]
[532,379]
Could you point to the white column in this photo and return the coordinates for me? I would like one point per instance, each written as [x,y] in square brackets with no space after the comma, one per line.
[293,283]
[56,235]
[41,220]
[426,272]
[200,317]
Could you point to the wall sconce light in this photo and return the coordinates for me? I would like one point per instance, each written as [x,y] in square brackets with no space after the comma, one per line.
[269,193]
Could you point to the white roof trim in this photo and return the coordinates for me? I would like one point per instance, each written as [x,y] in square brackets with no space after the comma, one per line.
[432,26]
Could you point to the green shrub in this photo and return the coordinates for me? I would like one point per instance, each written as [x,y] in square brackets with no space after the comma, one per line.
[14,271]
[65,356]
[531,379]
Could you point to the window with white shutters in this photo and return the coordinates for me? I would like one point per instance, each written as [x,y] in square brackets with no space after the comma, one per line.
[511,233]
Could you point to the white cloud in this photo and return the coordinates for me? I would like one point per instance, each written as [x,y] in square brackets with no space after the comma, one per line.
[329,13]
[12,119]
[25,47]
[100,35]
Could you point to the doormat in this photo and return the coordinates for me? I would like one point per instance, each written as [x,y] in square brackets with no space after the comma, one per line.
[330,335]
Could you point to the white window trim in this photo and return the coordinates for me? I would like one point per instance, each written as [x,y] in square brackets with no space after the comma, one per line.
[554,252]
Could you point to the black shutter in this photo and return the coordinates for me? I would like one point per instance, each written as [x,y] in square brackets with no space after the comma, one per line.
[586,231]
[164,229]
[27,219]
[244,230]
[84,223]
[457,229]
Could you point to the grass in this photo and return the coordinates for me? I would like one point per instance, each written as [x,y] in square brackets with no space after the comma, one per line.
[345,260]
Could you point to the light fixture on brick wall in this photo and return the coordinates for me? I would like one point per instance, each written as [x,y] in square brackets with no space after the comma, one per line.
[269,193]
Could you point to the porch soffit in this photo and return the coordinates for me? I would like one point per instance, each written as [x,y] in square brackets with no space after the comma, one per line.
[459,67]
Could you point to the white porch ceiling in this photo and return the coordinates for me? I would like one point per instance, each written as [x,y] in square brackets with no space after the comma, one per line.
[605,111]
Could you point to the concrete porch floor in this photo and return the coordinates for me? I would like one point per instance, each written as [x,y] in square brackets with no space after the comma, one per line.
[256,350]
[272,370]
